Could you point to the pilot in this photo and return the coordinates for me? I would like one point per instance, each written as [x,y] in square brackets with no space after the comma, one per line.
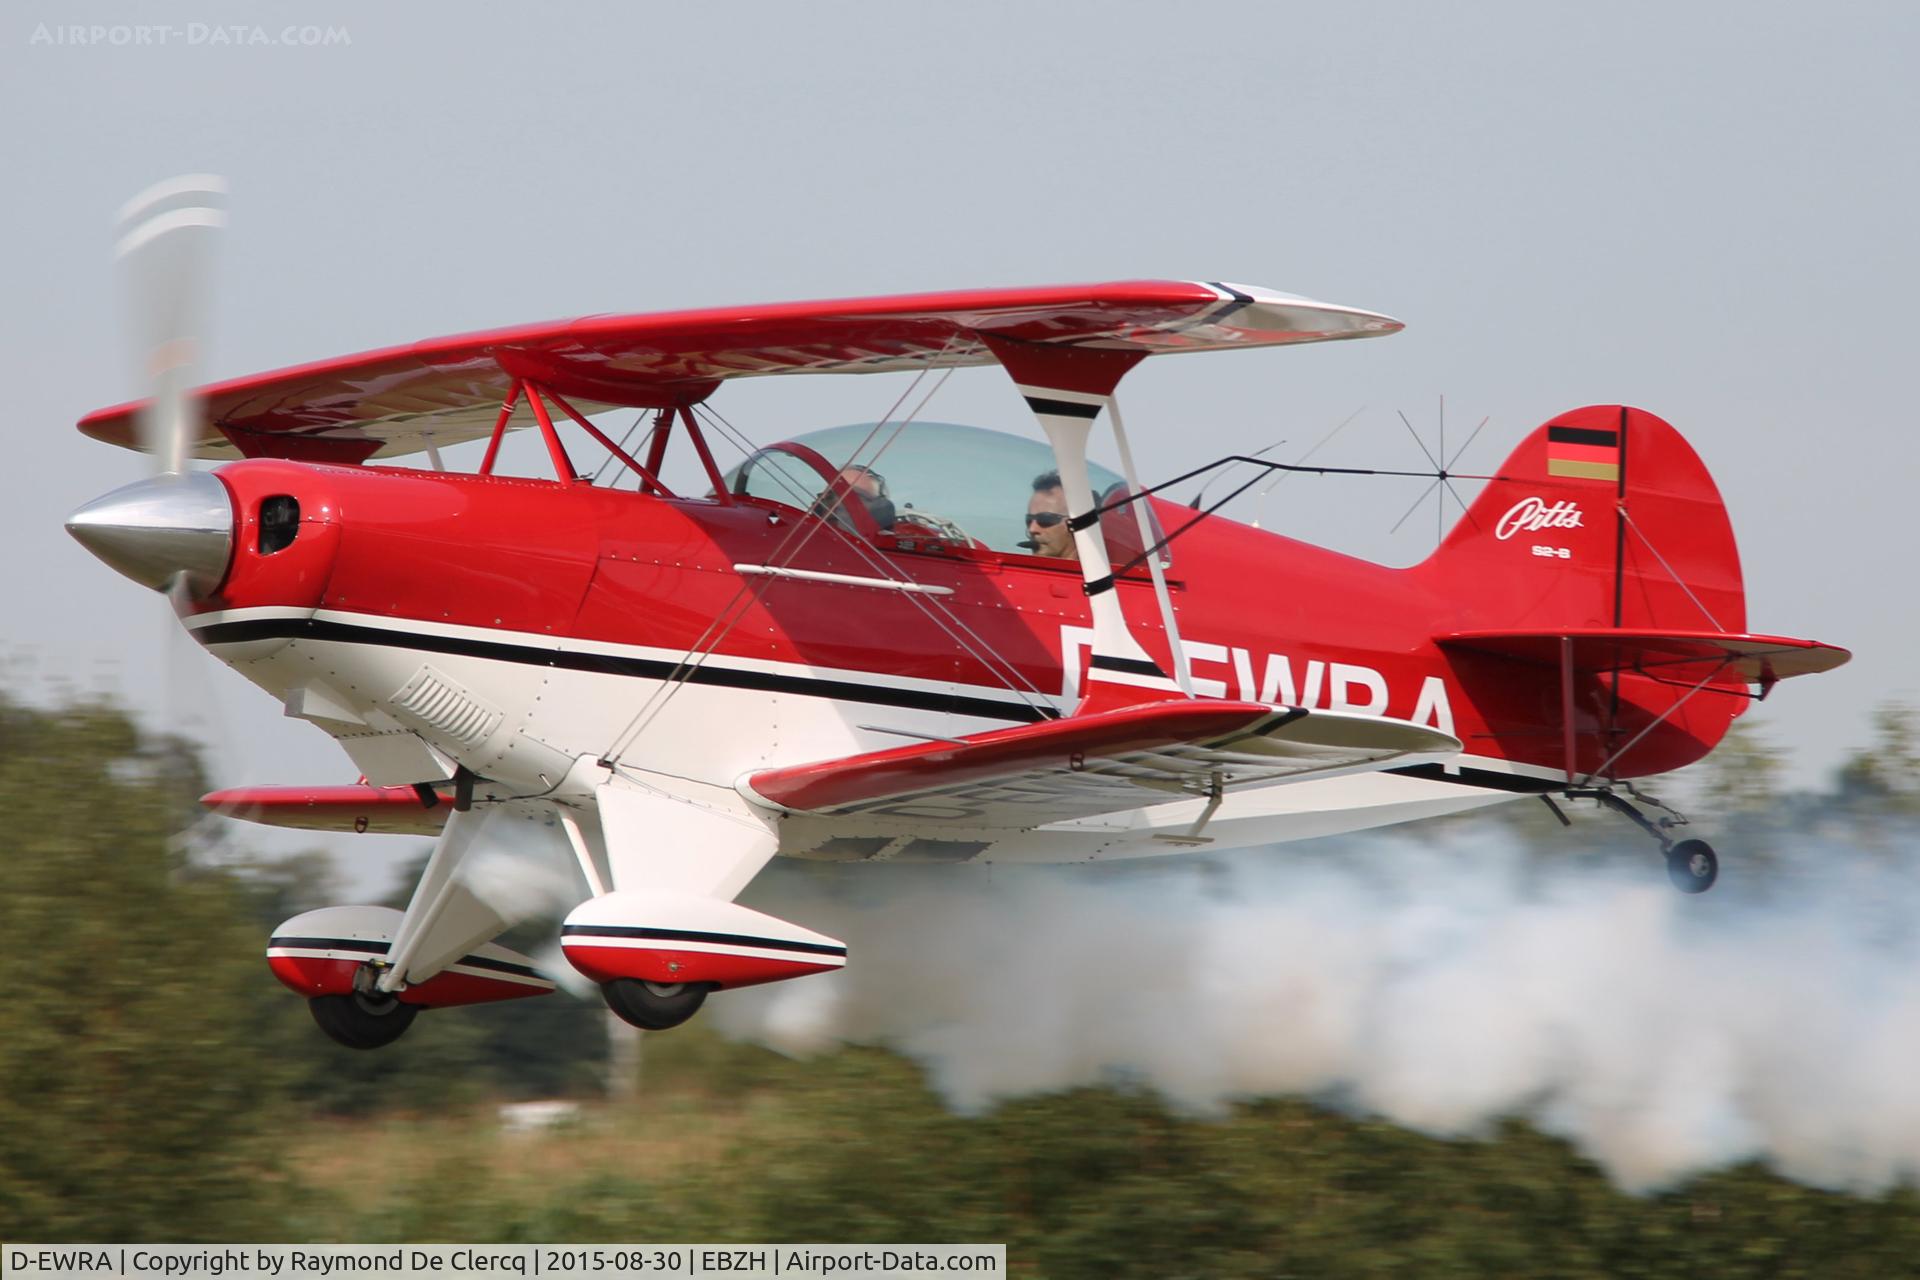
[870,487]
[1047,531]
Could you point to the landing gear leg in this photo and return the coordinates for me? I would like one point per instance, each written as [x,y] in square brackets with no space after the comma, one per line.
[1692,865]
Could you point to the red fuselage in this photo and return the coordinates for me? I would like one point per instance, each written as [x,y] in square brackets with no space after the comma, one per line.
[1263,617]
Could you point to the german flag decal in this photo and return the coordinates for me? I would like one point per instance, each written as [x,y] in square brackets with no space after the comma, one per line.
[1585,453]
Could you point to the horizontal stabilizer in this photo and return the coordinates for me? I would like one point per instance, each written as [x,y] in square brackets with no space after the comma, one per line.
[1675,655]
[359,807]
[1104,762]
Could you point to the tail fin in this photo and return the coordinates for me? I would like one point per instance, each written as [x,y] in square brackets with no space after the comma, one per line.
[1603,517]
[1603,521]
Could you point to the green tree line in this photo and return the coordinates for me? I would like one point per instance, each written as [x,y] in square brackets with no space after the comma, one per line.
[157,1084]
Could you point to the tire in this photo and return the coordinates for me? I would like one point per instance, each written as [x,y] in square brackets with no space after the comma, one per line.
[654,1006]
[1692,866]
[362,1022]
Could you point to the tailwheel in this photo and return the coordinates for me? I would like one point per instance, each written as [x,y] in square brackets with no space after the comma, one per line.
[1692,866]
[654,1006]
[361,1021]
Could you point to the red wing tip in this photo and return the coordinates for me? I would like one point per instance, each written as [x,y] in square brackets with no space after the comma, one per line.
[350,794]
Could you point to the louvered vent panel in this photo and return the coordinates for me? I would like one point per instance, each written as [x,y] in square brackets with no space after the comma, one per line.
[445,708]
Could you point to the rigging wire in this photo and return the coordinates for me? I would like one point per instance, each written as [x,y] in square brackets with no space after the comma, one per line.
[1443,464]
[997,664]
[956,629]
[980,649]
[1678,580]
[1417,440]
[611,458]
[1292,468]
[744,598]
[1444,475]
[1261,498]
[751,593]
[1395,528]
[1197,498]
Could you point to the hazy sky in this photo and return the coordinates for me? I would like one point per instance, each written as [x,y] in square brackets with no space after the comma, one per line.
[1704,210]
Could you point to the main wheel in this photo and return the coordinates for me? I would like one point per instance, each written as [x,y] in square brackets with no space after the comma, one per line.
[1692,866]
[654,1006]
[361,1021]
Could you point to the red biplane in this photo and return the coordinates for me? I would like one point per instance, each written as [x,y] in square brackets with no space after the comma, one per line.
[806,658]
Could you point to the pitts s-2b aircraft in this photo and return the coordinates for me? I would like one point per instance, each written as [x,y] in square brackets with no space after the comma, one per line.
[808,660]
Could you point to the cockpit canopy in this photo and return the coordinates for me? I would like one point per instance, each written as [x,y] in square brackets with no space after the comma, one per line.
[957,484]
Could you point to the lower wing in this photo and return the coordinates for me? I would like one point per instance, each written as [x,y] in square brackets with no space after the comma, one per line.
[1104,762]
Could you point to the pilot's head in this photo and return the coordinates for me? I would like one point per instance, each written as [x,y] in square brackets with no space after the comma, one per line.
[870,487]
[1047,519]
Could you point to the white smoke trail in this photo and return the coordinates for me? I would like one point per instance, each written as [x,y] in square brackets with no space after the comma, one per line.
[1441,983]
[522,870]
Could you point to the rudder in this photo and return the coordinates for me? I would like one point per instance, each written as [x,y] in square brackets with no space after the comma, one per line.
[1603,517]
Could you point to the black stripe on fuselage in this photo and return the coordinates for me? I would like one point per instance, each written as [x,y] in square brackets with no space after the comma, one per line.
[587,932]
[344,633]
[1132,666]
[610,664]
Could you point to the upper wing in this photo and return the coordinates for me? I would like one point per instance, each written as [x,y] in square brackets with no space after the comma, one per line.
[445,390]
[1680,655]
[1084,765]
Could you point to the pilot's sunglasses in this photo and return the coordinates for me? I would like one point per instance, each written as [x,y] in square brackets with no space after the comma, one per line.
[1045,519]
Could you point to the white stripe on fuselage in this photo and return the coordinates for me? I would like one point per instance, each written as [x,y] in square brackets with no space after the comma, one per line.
[647,653]
[1307,808]
[1073,642]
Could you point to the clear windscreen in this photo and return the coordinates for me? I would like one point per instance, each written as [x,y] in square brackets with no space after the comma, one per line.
[939,476]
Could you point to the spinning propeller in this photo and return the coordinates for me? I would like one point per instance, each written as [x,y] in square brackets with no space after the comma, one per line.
[174,530]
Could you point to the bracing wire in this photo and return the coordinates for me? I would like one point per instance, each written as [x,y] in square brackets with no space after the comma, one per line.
[1259,501]
[956,629]
[750,593]
[736,608]
[980,649]
[612,458]
[966,637]
[1266,467]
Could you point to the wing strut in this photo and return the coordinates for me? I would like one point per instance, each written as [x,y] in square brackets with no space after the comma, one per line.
[1066,387]
[648,473]
[1182,669]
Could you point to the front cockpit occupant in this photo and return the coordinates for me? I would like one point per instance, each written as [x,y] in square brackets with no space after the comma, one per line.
[1047,531]
[870,488]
